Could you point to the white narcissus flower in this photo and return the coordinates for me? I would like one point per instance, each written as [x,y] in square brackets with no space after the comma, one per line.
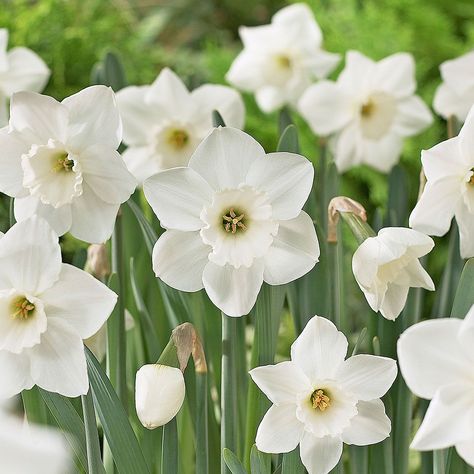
[387,266]
[455,96]
[59,161]
[449,190]
[159,394]
[20,70]
[46,309]
[164,123]
[368,111]
[233,220]
[436,359]
[280,60]
[321,401]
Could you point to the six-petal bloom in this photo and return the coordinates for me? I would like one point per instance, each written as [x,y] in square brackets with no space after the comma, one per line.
[455,96]
[436,359]
[233,220]
[368,111]
[386,266]
[59,161]
[321,401]
[280,60]
[164,123]
[46,309]
[20,70]
[449,191]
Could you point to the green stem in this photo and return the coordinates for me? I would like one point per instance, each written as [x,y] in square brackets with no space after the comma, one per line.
[321,180]
[169,451]
[94,461]
[359,228]
[202,436]
[336,264]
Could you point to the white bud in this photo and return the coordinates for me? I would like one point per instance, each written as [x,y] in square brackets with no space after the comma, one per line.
[159,394]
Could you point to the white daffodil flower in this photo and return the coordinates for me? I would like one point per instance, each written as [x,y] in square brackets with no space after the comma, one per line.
[321,401]
[436,359]
[386,266]
[20,70]
[164,123]
[455,96]
[46,309]
[449,191]
[31,449]
[280,60]
[59,161]
[159,394]
[368,111]
[233,220]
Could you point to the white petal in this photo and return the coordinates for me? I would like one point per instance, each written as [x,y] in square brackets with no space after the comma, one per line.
[159,394]
[282,382]
[81,300]
[30,257]
[325,107]
[300,17]
[142,162]
[279,431]
[225,100]
[346,145]
[177,197]
[448,102]
[357,72]
[444,160]
[286,178]
[382,154]
[26,72]
[430,355]
[270,98]
[244,72]
[58,364]
[413,116]
[466,332]
[465,449]
[395,74]
[105,172]
[320,349]
[367,376]
[224,158]
[15,370]
[394,301]
[320,455]
[179,259]
[465,222]
[11,172]
[93,219]
[415,244]
[294,252]
[38,118]
[466,141]
[371,425]
[93,118]
[323,63]
[233,290]
[448,420]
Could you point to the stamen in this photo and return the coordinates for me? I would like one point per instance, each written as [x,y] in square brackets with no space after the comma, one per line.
[320,400]
[63,163]
[233,222]
[22,308]
[367,109]
[283,61]
[471,180]
[178,138]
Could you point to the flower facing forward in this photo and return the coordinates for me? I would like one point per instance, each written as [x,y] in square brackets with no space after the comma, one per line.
[455,95]
[59,161]
[46,309]
[449,191]
[436,359]
[368,111]
[20,70]
[321,401]
[386,266]
[233,220]
[280,60]
[159,394]
[164,123]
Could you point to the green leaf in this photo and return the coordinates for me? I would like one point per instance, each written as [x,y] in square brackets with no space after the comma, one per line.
[464,298]
[217,120]
[114,72]
[289,140]
[284,119]
[292,463]
[260,463]
[233,462]
[128,456]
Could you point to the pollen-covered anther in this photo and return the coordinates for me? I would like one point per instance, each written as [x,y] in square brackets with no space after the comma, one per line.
[232,221]
[471,179]
[63,163]
[22,308]
[283,61]
[320,400]
[178,138]
[367,109]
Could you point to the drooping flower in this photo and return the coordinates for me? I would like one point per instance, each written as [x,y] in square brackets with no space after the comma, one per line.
[20,70]
[455,96]
[233,220]
[46,309]
[159,394]
[321,401]
[368,111]
[449,191]
[436,359]
[29,448]
[164,123]
[281,60]
[386,266]
[59,161]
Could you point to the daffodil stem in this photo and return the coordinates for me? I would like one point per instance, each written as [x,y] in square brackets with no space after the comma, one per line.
[336,264]
[202,436]
[322,183]
[169,451]
[359,228]
[94,461]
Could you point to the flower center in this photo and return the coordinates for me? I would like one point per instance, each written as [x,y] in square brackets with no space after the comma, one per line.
[63,163]
[178,138]
[320,400]
[367,109]
[377,114]
[22,308]
[471,179]
[283,61]
[233,221]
